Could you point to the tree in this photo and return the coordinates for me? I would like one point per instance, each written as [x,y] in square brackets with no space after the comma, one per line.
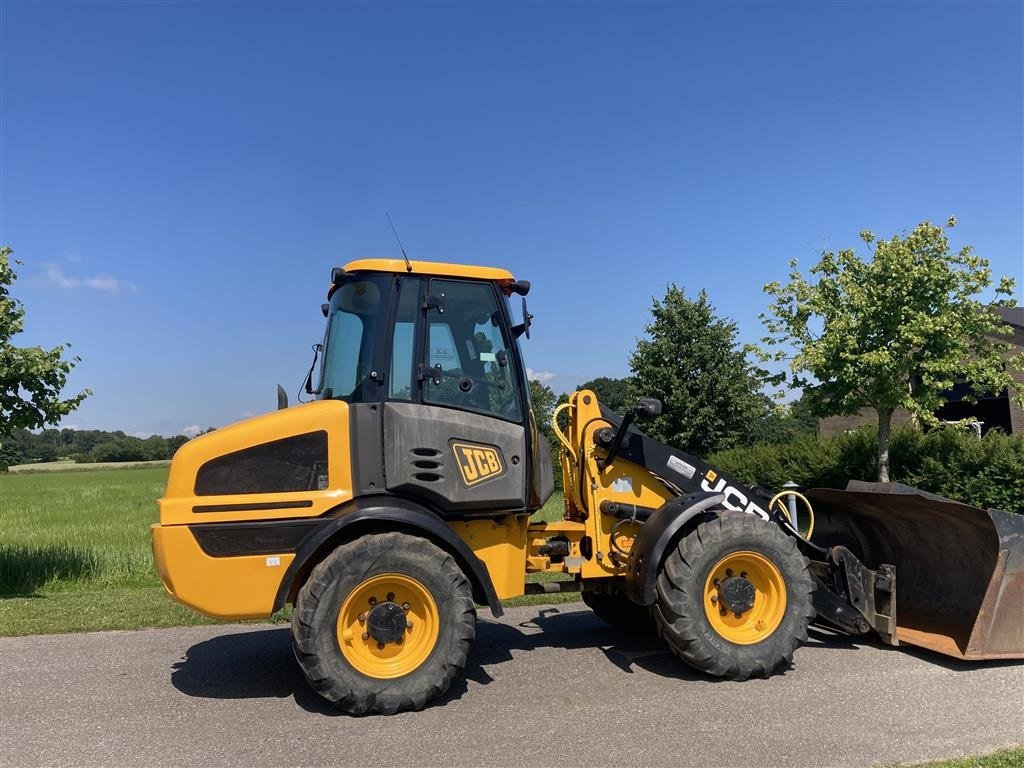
[709,390]
[612,393]
[894,330]
[31,378]
[542,403]
[785,422]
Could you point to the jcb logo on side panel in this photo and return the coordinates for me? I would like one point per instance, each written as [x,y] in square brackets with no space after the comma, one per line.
[477,462]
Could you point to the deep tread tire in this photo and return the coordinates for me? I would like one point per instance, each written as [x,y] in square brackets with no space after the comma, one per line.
[619,611]
[679,611]
[314,623]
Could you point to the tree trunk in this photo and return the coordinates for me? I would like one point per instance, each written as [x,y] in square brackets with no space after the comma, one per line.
[884,422]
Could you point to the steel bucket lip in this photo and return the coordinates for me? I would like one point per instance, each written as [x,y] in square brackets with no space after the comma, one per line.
[978,569]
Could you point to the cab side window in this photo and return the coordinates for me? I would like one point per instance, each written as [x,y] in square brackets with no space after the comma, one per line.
[400,381]
[468,352]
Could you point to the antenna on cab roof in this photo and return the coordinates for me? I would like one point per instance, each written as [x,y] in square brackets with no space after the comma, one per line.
[408,264]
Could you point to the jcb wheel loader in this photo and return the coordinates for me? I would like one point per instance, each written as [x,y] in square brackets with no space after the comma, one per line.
[397,500]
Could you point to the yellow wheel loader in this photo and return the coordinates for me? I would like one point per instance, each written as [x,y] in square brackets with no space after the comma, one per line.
[398,499]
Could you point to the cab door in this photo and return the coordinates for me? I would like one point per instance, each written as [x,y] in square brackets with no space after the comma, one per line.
[455,411]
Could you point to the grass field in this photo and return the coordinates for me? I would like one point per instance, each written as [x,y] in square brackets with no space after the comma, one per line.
[75,553]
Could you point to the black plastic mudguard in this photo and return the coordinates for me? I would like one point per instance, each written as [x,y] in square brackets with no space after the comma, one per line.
[654,538]
[391,513]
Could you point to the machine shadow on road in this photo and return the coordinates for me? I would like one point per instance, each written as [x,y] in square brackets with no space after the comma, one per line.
[259,664]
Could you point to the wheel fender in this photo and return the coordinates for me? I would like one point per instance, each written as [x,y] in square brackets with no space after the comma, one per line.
[654,538]
[393,514]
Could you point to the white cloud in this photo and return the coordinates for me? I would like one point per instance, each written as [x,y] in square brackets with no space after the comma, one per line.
[542,376]
[97,283]
[247,415]
[192,431]
[141,434]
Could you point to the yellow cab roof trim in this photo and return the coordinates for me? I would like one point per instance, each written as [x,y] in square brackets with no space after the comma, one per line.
[429,268]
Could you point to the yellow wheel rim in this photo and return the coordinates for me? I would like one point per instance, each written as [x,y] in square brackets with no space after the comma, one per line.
[753,614]
[400,603]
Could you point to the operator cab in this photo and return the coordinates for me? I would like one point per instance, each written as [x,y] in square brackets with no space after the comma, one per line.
[427,359]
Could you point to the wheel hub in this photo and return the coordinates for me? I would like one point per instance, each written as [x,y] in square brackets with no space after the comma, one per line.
[386,622]
[736,594]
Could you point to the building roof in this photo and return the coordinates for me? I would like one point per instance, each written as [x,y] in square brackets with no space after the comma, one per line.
[1012,315]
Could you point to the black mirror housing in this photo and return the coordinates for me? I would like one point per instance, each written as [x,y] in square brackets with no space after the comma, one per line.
[648,408]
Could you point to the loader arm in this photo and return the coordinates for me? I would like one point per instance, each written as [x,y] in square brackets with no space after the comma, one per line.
[848,595]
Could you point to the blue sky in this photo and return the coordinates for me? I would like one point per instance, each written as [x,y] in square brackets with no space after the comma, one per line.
[179,178]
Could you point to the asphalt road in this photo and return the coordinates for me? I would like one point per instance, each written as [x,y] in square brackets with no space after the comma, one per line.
[544,686]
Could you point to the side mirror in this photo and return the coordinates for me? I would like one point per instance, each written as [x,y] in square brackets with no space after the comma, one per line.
[282,398]
[523,327]
[648,408]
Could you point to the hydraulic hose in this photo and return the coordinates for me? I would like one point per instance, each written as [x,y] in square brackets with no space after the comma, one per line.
[777,498]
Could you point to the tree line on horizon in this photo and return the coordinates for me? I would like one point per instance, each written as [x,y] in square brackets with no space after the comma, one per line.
[85,446]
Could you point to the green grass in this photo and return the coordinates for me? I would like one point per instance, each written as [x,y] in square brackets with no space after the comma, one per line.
[75,553]
[1007,758]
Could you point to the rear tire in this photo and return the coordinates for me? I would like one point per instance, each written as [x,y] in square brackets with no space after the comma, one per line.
[619,611]
[383,624]
[768,584]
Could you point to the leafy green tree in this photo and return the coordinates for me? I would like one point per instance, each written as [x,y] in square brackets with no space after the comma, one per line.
[785,422]
[542,403]
[31,378]
[612,393]
[710,392]
[893,330]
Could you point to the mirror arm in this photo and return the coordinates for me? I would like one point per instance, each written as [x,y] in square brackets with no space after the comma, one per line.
[309,374]
[620,435]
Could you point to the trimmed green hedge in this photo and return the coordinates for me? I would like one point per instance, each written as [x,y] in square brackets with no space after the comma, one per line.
[987,473]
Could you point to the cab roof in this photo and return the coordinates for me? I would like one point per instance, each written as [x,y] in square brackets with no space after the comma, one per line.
[429,268]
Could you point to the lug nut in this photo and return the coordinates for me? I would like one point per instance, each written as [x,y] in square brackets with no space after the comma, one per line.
[738,615]
[391,596]
[408,624]
[362,618]
[728,571]
[366,635]
[715,582]
[714,600]
[724,612]
[743,574]
[380,646]
[373,601]
[398,641]
[406,607]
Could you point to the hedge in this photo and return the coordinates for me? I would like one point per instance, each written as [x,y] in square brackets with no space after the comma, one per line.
[986,473]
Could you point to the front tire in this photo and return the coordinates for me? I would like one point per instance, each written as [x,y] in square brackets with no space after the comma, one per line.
[383,624]
[734,597]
